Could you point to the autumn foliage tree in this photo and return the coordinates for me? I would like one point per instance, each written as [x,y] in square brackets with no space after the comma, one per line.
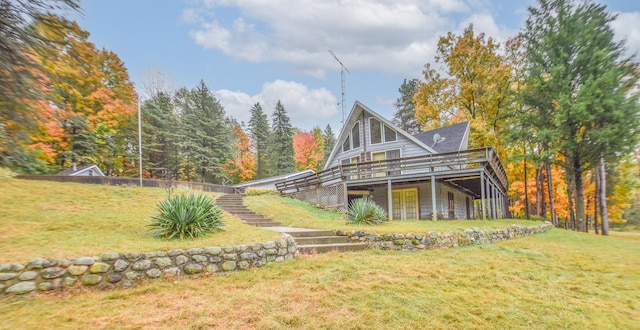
[242,167]
[476,86]
[307,152]
[89,101]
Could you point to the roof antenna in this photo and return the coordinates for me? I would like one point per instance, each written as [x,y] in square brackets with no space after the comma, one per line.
[344,97]
[437,139]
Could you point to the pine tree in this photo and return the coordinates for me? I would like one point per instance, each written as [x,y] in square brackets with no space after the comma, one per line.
[207,139]
[405,115]
[159,141]
[579,78]
[281,146]
[329,143]
[259,133]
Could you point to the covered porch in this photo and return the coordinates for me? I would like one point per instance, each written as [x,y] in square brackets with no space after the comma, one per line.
[438,180]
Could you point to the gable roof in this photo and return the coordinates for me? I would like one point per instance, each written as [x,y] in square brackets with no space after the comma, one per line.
[456,137]
[81,170]
[354,115]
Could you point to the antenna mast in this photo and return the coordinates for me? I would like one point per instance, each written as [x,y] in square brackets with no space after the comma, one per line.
[342,80]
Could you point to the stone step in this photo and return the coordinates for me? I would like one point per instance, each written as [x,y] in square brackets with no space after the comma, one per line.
[322,248]
[263,224]
[256,219]
[239,211]
[321,240]
[311,233]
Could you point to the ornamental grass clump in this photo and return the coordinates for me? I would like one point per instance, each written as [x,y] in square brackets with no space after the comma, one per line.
[363,211]
[186,216]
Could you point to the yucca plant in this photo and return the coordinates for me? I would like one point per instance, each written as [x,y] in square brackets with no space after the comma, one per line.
[364,211]
[186,216]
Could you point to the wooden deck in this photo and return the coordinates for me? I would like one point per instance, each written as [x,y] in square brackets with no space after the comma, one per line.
[461,163]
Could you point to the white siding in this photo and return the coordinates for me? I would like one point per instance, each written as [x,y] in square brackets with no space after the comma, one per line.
[379,195]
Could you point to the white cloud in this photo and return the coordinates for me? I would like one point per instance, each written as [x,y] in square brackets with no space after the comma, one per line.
[626,27]
[393,36]
[306,107]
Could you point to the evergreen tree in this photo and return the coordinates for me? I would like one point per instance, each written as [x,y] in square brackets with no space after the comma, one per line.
[577,75]
[405,115]
[206,138]
[329,143]
[281,146]
[159,142]
[259,133]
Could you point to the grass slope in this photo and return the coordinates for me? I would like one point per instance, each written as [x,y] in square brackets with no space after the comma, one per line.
[51,220]
[555,280]
[295,213]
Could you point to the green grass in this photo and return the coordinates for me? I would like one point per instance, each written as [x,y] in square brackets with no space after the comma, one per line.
[295,213]
[53,220]
[555,280]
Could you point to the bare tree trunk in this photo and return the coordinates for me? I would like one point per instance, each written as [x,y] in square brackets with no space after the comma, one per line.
[595,201]
[603,198]
[570,189]
[543,198]
[526,189]
[554,218]
[581,225]
[538,198]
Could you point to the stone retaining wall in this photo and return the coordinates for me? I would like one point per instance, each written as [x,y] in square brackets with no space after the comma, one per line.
[123,269]
[413,241]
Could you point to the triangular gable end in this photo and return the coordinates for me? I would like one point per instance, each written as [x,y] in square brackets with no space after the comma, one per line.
[354,115]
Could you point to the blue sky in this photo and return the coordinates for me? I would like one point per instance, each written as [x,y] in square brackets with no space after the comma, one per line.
[250,51]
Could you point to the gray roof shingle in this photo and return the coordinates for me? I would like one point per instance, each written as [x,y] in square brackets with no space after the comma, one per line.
[454,137]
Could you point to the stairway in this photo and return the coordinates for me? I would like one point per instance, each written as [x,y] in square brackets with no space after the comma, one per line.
[232,203]
[312,241]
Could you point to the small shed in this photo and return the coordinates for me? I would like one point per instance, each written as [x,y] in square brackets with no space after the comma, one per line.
[88,170]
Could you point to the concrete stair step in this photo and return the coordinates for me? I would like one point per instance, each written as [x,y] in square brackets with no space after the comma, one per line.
[321,240]
[310,233]
[323,248]
[263,224]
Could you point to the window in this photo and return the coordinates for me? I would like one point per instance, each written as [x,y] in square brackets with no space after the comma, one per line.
[375,128]
[355,136]
[389,134]
[380,132]
[346,146]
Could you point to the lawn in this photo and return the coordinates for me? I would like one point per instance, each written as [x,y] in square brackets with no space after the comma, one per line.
[555,280]
[295,213]
[52,220]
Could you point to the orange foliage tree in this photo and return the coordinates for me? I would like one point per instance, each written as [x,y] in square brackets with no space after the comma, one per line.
[243,167]
[307,152]
[89,101]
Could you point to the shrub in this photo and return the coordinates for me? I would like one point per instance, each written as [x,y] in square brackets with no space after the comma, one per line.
[186,216]
[251,191]
[6,173]
[363,211]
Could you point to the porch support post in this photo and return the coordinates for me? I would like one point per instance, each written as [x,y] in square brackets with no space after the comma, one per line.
[482,196]
[489,208]
[389,199]
[434,201]
[495,203]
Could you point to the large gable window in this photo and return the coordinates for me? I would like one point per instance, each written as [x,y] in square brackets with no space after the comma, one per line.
[355,136]
[346,146]
[353,139]
[380,132]
[375,131]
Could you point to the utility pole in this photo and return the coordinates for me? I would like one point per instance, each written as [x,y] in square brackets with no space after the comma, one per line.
[140,140]
[342,79]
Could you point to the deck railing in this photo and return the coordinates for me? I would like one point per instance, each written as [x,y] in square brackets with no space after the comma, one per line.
[441,162]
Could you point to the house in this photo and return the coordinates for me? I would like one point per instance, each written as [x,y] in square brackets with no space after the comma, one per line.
[89,170]
[430,175]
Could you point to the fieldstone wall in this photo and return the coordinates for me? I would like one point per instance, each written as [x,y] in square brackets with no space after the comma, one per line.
[431,240]
[124,269]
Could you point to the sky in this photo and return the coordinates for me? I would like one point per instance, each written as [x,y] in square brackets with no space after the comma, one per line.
[262,51]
